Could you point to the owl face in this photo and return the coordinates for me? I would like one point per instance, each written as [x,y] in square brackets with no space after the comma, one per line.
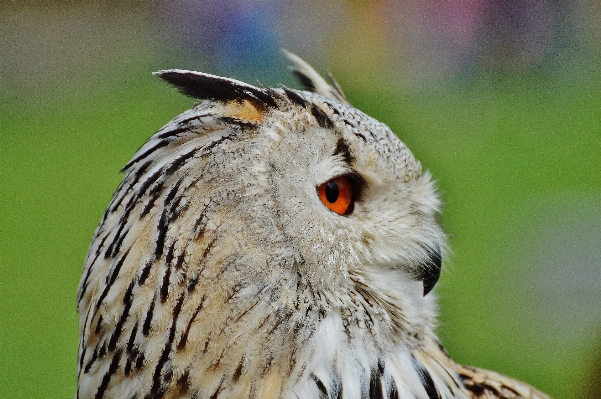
[389,221]
[326,189]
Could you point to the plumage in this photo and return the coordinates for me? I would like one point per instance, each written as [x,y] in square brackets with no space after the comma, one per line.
[219,270]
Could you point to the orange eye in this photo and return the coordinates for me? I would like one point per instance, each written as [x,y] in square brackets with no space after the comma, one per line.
[337,194]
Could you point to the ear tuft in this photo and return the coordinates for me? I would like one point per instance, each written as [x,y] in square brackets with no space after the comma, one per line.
[312,81]
[203,86]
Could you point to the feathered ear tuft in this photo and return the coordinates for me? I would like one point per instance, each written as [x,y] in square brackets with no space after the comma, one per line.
[312,81]
[203,86]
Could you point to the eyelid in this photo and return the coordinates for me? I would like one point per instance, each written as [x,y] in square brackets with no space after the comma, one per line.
[331,167]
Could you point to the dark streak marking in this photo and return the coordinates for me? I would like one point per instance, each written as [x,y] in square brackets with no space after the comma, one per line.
[153,193]
[176,210]
[209,146]
[183,126]
[215,365]
[182,342]
[248,309]
[238,122]
[115,203]
[180,261]
[208,248]
[192,283]
[343,150]
[426,379]
[263,322]
[482,387]
[183,382]
[112,278]
[146,153]
[133,199]
[148,319]
[90,362]
[148,207]
[238,371]
[323,392]
[152,179]
[98,324]
[108,253]
[304,80]
[127,368]
[180,161]
[322,119]
[477,389]
[127,300]
[394,391]
[115,246]
[101,245]
[198,229]
[157,387]
[295,98]
[218,390]
[86,280]
[165,284]
[169,255]
[175,131]
[360,136]
[102,350]
[145,272]
[139,360]
[81,357]
[107,377]
[381,367]
[129,348]
[162,233]
[89,271]
[172,192]
[375,385]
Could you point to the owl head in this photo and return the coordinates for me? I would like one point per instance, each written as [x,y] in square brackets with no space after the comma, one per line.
[260,218]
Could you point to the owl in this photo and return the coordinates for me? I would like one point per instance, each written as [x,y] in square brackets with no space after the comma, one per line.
[270,243]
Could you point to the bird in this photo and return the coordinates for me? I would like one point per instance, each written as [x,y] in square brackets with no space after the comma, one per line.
[270,243]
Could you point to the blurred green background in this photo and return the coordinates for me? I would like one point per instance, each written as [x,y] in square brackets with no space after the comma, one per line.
[501,101]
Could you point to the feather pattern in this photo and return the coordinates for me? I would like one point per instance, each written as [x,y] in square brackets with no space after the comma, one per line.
[216,272]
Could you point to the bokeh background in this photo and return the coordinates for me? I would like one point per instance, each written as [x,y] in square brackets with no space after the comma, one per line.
[499,99]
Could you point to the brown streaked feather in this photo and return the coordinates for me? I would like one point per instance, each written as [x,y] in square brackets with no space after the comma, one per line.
[475,382]
[485,384]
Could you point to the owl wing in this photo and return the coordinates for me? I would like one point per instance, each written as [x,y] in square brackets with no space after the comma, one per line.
[470,382]
[485,384]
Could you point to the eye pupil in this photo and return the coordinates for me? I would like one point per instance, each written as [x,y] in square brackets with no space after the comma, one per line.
[332,192]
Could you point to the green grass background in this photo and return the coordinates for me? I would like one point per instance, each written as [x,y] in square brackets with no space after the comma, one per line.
[516,156]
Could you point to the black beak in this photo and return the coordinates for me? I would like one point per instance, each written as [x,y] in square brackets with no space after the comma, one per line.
[431,269]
